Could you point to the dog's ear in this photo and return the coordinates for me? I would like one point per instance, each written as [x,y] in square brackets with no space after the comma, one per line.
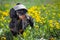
[13,13]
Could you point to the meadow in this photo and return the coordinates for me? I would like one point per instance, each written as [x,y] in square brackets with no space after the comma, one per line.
[46,23]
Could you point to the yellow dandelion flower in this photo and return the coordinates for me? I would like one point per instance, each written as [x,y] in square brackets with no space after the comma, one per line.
[43,7]
[34,7]
[0,11]
[57,23]
[58,15]
[41,22]
[51,25]
[39,12]
[42,18]
[34,13]
[36,26]
[37,19]
[2,18]
[58,26]
[50,21]
[24,34]
[5,13]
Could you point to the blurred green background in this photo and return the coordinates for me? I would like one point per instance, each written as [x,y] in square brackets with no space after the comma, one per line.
[28,3]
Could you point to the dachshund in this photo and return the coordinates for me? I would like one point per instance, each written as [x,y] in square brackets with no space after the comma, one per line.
[19,19]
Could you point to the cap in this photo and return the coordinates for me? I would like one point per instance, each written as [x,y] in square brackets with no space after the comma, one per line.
[20,6]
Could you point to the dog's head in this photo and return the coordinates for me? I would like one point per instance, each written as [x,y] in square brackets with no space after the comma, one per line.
[17,11]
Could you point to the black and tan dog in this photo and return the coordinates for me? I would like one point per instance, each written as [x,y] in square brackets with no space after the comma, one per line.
[19,19]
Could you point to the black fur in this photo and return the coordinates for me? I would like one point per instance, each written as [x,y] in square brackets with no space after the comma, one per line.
[17,25]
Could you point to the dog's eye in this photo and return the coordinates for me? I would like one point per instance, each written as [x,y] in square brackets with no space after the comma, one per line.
[18,11]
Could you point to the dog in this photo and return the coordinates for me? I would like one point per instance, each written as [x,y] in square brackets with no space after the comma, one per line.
[19,19]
